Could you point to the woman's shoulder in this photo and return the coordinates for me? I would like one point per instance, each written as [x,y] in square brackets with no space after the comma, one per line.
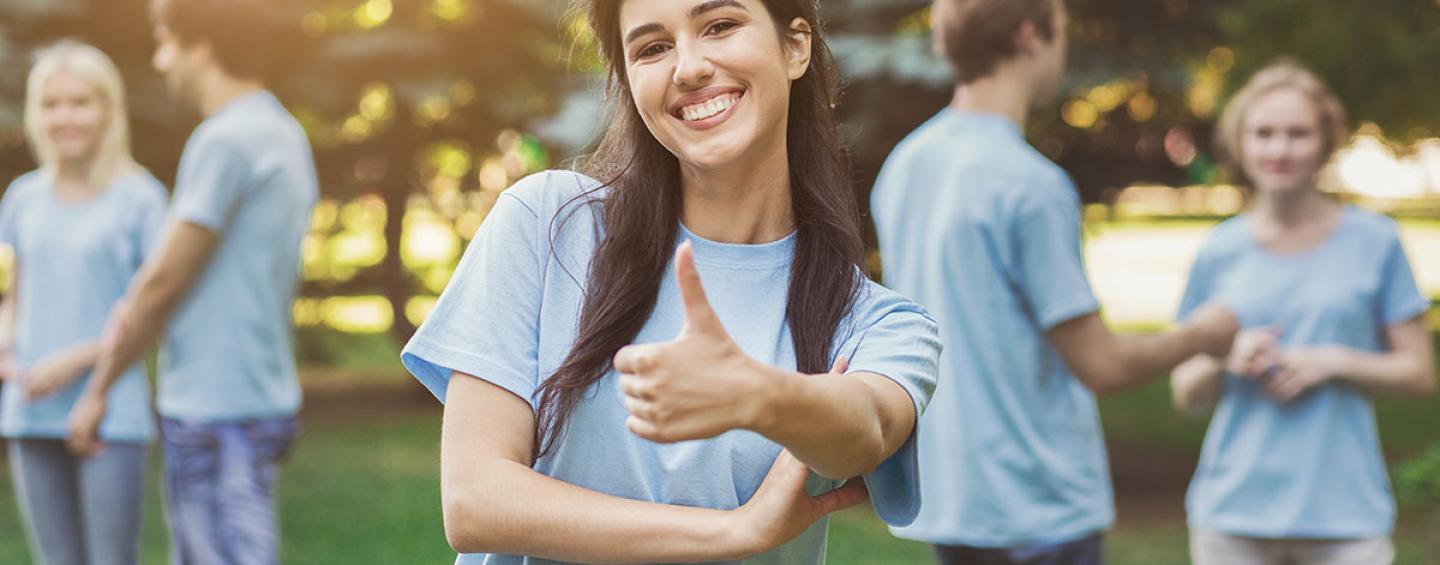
[874,302]
[547,192]
[141,185]
[1371,223]
[1229,236]
[25,184]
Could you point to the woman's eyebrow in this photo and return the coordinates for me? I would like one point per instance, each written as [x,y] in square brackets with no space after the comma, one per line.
[699,10]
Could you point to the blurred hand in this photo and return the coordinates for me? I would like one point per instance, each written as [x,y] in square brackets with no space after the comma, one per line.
[84,439]
[782,509]
[52,374]
[1214,327]
[1255,352]
[696,386]
[1302,369]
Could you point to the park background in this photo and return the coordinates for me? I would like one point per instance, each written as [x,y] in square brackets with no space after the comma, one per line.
[422,111]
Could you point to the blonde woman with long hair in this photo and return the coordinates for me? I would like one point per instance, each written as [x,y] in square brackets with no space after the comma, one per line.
[79,227]
[1291,470]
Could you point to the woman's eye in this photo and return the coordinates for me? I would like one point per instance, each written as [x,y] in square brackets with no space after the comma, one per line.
[650,50]
[721,27]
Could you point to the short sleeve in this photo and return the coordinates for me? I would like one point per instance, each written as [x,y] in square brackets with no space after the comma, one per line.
[150,216]
[10,205]
[1051,269]
[1400,297]
[903,344]
[486,322]
[210,184]
[1198,284]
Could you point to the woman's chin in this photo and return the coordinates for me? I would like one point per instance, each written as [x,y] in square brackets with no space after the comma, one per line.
[1282,187]
[712,156]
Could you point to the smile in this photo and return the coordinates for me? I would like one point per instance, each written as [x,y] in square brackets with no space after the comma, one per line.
[709,108]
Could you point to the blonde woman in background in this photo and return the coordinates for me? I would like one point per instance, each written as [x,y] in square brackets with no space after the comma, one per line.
[1291,470]
[79,227]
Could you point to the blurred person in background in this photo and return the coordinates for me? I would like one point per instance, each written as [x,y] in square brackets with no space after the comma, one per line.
[1291,470]
[79,227]
[219,286]
[981,229]
[677,422]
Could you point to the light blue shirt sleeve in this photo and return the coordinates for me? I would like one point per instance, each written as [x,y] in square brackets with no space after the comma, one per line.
[1051,269]
[904,346]
[9,213]
[1197,284]
[1400,297]
[149,217]
[210,184]
[486,323]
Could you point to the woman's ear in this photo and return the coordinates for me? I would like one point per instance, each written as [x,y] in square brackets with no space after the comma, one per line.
[797,47]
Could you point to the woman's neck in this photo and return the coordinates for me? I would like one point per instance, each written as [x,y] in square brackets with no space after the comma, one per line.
[1291,208]
[745,202]
[73,178]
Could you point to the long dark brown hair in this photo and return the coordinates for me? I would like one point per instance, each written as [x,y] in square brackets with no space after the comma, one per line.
[641,219]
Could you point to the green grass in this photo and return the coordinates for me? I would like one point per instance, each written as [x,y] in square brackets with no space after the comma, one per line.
[363,487]
[359,489]
[363,355]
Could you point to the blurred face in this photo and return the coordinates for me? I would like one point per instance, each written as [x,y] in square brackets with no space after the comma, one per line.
[74,116]
[1281,143]
[180,64]
[711,78]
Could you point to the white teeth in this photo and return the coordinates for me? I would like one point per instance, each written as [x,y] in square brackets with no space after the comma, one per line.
[709,108]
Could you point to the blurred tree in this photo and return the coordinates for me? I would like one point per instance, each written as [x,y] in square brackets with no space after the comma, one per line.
[1140,70]
[420,111]
[405,101]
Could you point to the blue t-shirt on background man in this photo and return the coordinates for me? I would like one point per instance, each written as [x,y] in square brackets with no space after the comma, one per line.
[984,232]
[1310,468]
[247,174]
[509,316]
[76,259]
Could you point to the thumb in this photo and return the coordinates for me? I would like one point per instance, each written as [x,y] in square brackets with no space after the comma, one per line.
[854,492]
[841,365]
[699,316]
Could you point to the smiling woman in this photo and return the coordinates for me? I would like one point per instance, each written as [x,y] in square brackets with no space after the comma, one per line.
[79,228]
[1331,315]
[695,422]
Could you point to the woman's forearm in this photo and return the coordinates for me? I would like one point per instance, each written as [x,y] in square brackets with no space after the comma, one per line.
[1406,367]
[1395,372]
[85,354]
[505,507]
[840,425]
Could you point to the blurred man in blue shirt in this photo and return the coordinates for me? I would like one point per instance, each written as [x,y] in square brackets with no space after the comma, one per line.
[984,231]
[220,288]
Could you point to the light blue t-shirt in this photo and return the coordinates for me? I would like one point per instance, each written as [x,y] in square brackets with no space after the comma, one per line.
[509,316]
[1311,468]
[76,260]
[247,174]
[984,232]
